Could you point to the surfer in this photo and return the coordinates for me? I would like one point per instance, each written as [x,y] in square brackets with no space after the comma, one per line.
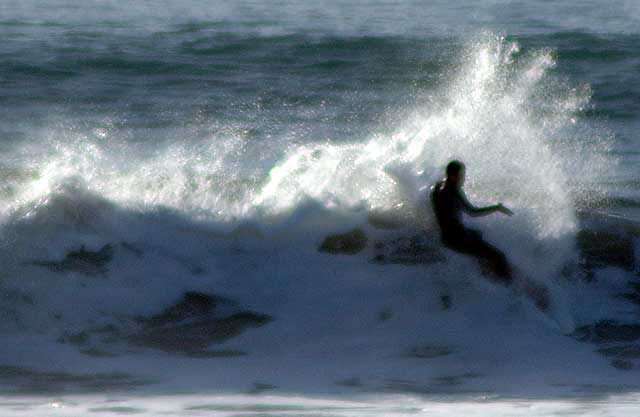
[449,202]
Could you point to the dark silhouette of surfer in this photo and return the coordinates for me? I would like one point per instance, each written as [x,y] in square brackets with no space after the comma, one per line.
[449,203]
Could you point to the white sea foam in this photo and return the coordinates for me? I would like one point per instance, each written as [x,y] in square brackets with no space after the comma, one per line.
[502,111]
[189,217]
[388,406]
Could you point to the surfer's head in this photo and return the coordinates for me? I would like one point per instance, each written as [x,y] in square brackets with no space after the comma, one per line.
[455,172]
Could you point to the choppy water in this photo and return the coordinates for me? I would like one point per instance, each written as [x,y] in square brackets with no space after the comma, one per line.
[214,146]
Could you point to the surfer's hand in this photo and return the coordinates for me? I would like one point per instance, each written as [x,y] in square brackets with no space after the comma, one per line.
[504,210]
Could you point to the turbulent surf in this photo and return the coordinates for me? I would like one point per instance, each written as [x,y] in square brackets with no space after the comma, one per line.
[230,207]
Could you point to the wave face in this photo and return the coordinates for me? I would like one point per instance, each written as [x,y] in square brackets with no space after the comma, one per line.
[186,153]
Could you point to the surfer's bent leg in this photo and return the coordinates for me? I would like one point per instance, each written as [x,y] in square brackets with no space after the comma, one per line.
[498,261]
[471,243]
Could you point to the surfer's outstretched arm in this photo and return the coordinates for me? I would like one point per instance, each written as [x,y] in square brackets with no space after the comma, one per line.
[474,211]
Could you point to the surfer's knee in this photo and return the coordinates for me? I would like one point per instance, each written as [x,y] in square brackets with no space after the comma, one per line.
[503,276]
[502,270]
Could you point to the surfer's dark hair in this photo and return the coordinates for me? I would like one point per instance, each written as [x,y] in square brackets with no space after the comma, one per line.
[454,167]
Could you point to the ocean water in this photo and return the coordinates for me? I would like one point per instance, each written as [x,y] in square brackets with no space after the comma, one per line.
[152,149]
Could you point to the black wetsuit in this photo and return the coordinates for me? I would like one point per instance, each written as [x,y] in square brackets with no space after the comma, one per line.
[449,202]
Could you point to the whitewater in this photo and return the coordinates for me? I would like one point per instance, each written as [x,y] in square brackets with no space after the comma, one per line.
[225,211]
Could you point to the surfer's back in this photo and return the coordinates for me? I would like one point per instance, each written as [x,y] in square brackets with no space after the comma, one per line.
[445,201]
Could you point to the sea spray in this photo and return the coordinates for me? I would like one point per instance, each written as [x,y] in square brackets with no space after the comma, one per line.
[219,207]
[503,112]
